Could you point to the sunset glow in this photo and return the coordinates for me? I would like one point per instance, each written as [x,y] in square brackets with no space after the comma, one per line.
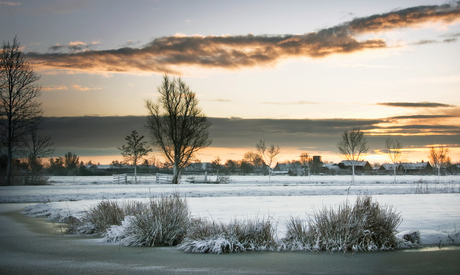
[293,73]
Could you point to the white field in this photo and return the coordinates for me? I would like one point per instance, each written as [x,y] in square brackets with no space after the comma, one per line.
[425,203]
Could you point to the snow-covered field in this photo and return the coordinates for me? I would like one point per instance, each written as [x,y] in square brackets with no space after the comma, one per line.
[426,204]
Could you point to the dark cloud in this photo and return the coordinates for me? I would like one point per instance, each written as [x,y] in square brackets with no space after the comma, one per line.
[423,117]
[451,35]
[450,40]
[165,54]
[415,104]
[76,46]
[92,136]
[425,42]
[410,17]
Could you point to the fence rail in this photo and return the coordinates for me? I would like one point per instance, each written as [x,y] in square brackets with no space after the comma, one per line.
[157,178]
[163,178]
[120,178]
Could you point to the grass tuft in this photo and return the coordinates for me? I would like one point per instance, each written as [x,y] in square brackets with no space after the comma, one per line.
[366,226]
[205,236]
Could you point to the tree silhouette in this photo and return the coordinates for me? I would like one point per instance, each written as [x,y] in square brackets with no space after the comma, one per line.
[177,126]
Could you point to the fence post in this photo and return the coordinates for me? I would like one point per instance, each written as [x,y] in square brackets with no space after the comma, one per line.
[157,178]
[126,178]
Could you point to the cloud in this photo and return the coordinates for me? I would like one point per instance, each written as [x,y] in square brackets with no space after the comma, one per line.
[10,3]
[219,100]
[168,54]
[425,42]
[450,40]
[64,87]
[81,88]
[54,88]
[453,35]
[415,104]
[74,46]
[102,135]
[410,17]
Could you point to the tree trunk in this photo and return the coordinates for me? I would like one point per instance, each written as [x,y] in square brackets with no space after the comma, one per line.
[175,179]
[269,173]
[353,174]
[394,169]
[9,157]
[135,173]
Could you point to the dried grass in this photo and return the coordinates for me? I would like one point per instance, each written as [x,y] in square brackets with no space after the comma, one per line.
[205,236]
[366,226]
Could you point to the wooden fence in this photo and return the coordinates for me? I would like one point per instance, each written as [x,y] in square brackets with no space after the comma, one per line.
[157,178]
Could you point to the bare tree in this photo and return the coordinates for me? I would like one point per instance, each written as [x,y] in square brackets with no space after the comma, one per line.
[71,160]
[216,163]
[135,150]
[307,161]
[269,154]
[353,146]
[177,126]
[38,147]
[394,151]
[439,157]
[19,110]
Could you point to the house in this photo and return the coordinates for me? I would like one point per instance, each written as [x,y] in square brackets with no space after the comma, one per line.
[287,169]
[360,166]
[330,168]
[454,169]
[388,168]
[418,168]
[198,167]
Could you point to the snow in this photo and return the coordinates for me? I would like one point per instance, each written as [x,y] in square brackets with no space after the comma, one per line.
[435,214]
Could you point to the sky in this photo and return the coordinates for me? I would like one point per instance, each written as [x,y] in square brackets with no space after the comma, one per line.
[293,73]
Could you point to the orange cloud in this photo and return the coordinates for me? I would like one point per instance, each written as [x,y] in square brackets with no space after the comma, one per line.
[410,17]
[165,54]
[54,88]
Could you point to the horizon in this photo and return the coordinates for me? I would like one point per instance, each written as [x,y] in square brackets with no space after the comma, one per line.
[293,73]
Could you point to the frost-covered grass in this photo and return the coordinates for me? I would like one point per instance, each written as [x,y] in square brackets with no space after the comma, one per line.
[365,226]
[159,222]
[434,213]
[209,236]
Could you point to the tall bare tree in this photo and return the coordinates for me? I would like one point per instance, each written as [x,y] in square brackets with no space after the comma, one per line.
[269,154]
[19,110]
[38,147]
[177,126]
[439,157]
[353,146]
[394,151]
[135,150]
[307,161]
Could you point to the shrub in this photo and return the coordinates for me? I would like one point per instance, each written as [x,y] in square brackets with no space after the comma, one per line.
[159,222]
[366,226]
[97,219]
[206,236]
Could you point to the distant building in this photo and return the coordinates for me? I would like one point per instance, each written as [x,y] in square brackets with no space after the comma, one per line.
[330,168]
[418,168]
[360,166]
[388,168]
